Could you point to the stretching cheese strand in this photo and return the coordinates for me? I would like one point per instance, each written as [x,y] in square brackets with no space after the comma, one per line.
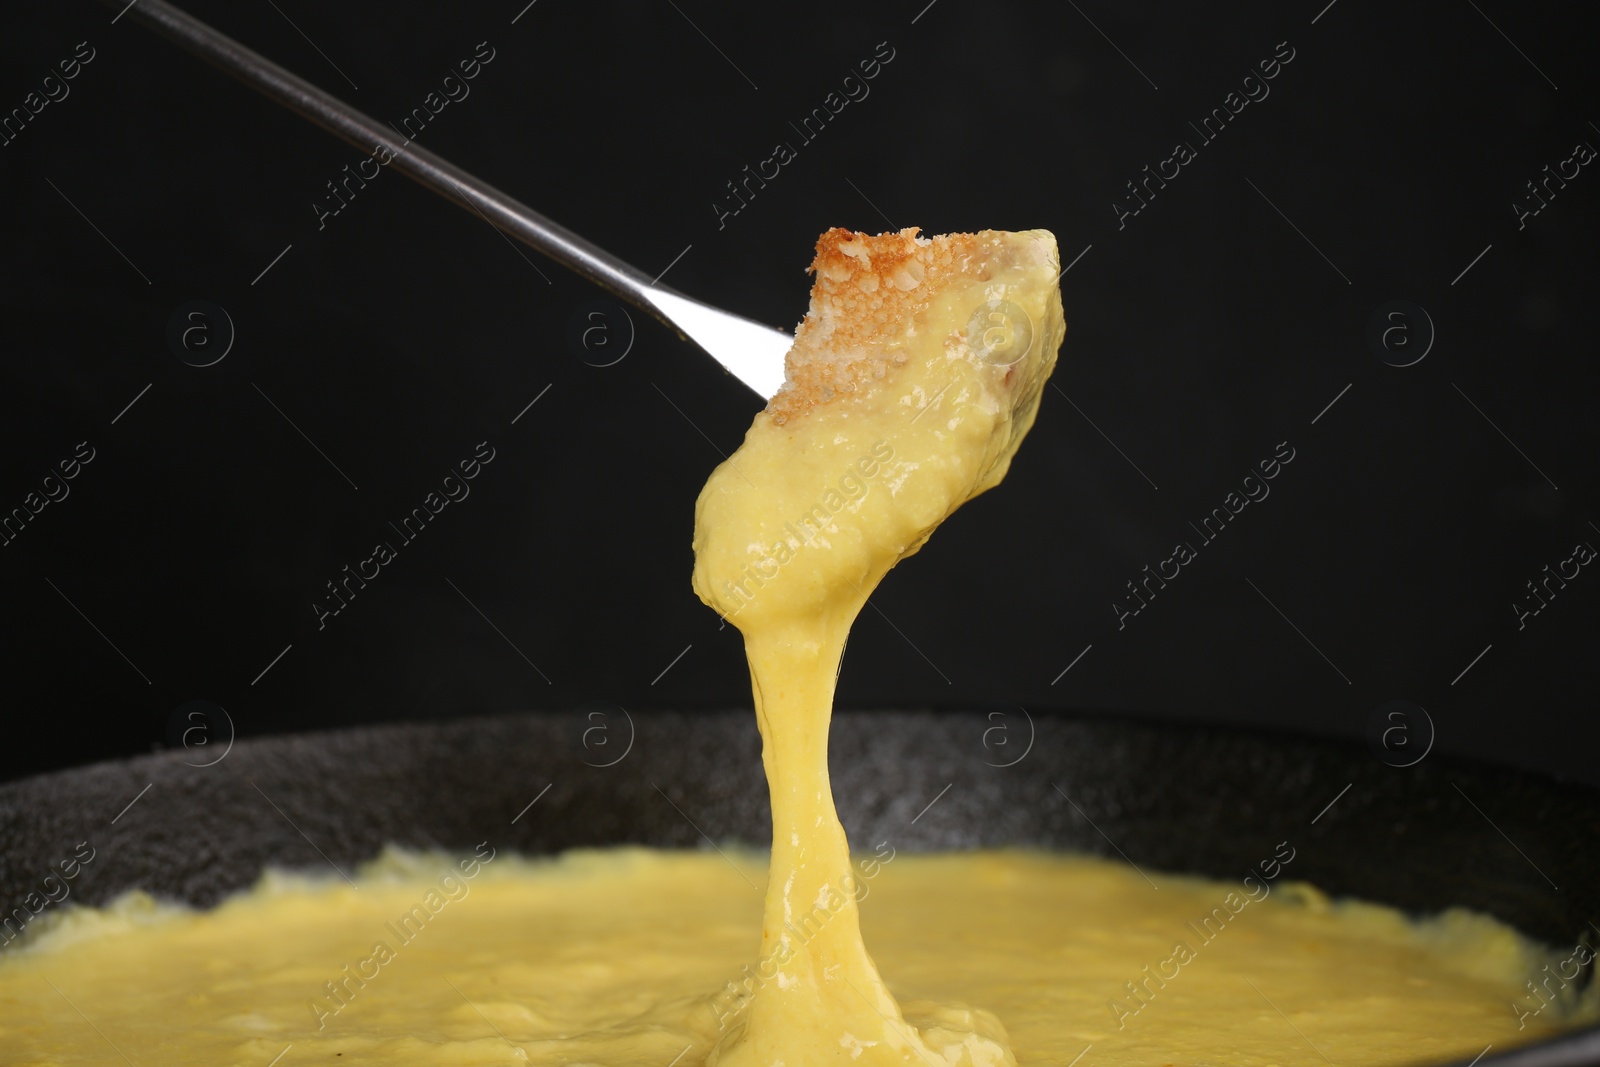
[912,380]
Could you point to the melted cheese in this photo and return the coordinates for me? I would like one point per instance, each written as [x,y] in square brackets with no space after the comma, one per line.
[913,379]
[628,958]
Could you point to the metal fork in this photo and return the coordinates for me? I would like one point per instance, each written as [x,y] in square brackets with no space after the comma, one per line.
[748,350]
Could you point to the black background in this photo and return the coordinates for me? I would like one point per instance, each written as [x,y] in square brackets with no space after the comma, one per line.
[1201,334]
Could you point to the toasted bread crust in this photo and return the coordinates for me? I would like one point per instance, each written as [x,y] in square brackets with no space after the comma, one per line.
[868,290]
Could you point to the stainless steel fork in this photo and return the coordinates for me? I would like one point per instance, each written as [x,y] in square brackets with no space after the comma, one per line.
[748,350]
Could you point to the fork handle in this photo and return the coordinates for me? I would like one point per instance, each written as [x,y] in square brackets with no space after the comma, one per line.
[502,211]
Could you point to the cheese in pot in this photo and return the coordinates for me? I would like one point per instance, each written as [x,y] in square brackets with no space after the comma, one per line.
[628,958]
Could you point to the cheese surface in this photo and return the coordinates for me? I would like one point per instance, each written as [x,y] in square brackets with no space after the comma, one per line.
[626,958]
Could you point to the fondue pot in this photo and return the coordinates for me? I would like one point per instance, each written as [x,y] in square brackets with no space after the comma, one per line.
[194,826]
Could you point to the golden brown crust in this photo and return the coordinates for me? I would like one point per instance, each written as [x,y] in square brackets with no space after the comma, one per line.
[867,289]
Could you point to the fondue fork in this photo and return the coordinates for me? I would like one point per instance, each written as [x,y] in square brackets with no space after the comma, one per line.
[748,350]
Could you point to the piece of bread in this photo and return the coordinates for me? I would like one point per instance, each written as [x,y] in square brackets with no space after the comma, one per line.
[867,289]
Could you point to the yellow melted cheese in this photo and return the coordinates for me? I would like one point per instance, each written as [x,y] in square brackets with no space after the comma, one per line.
[913,380]
[626,957]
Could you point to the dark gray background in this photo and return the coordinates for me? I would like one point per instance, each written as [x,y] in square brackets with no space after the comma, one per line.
[189,552]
